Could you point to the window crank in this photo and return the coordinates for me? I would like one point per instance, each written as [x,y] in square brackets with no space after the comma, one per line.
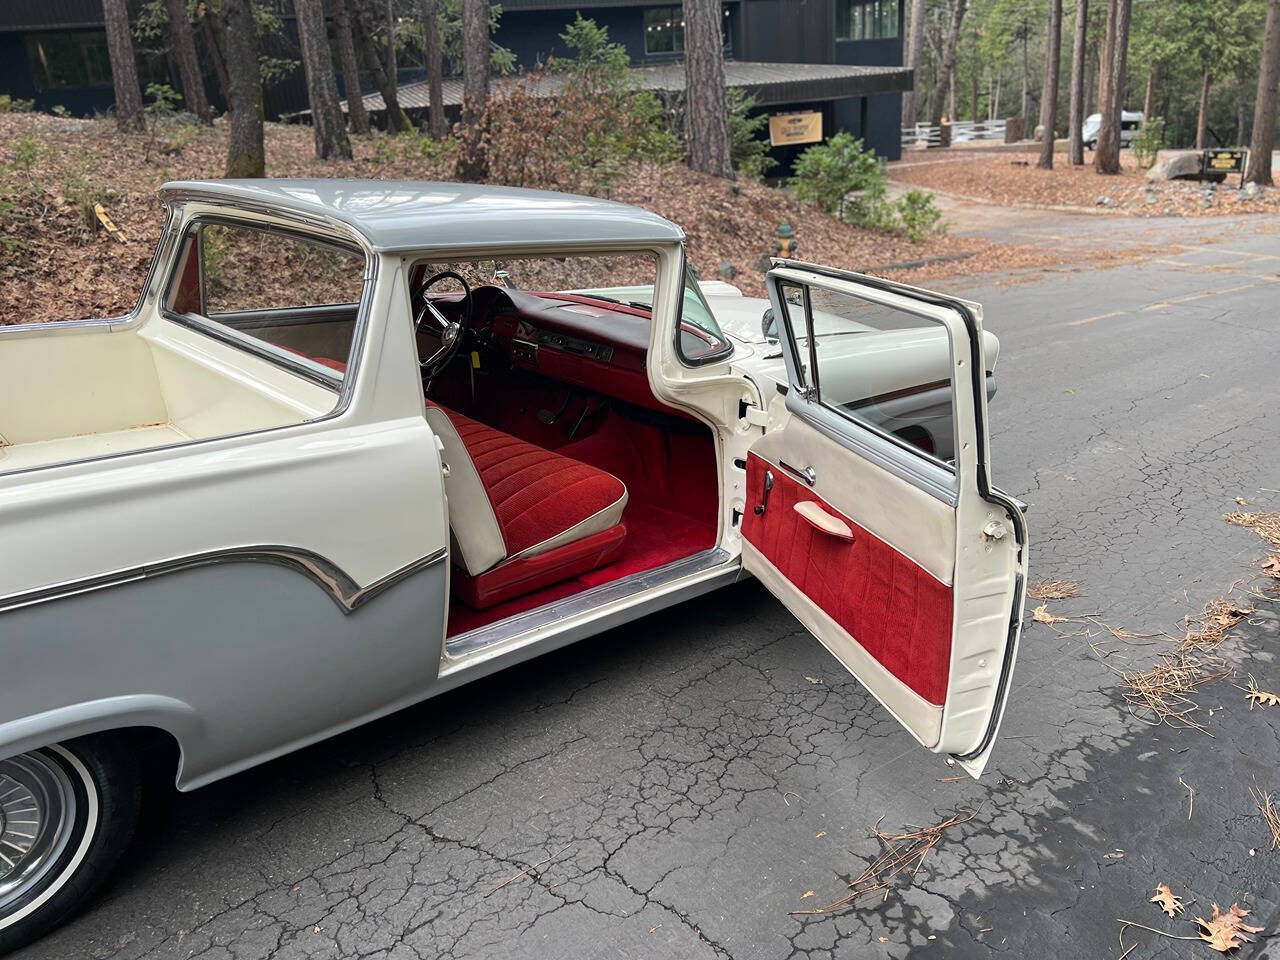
[768,486]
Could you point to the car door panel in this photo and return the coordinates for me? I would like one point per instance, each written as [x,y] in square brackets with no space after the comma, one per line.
[922,603]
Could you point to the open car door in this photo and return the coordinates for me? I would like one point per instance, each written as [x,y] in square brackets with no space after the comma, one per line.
[870,512]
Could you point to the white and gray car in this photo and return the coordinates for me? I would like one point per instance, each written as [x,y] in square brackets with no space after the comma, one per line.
[362,442]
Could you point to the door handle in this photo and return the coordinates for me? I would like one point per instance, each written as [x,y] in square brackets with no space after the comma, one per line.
[763,505]
[808,474]
[823,522]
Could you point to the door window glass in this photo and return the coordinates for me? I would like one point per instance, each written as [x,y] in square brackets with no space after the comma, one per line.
[879,366]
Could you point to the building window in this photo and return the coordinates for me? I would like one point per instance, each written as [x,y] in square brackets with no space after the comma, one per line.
[664,29]
[866,19]
[69,59]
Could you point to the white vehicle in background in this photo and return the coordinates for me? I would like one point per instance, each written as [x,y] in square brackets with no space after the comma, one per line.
[1130,123]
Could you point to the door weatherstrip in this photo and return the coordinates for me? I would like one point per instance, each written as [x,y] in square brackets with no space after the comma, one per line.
[345,592]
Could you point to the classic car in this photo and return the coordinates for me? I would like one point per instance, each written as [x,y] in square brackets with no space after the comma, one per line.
[362,442]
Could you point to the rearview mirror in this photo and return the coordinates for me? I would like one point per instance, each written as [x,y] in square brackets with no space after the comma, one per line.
[769,326]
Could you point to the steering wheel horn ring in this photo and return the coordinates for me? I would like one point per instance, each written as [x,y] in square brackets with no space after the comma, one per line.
[429,319]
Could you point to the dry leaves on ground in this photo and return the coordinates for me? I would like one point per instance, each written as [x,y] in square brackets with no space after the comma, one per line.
[1055,590]
[903,853]
[1226,931]
[1041,614]
[1271,567]
[1170,903]
[1265,525]
[1260,698]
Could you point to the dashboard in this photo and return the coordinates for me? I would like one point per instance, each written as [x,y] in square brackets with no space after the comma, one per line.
[588,341]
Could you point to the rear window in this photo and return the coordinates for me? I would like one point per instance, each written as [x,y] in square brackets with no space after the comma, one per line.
[286,296]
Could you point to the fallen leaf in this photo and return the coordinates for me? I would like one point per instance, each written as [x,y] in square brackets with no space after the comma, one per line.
[1169,903]
[815,680]
[806,895]
[883,939]
[820,834]
[1242,501]
[1226,931]
[1271,567]
[1041,614]
[1261,698]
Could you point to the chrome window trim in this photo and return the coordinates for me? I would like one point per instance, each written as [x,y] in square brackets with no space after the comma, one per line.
[341,588]
[633,587]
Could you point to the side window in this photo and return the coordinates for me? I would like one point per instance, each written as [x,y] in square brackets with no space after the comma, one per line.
[293,292]
[878,366]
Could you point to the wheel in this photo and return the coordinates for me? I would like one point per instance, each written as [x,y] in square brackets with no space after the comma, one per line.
[67,812]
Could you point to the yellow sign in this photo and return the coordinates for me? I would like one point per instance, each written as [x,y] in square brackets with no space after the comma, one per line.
[786,129]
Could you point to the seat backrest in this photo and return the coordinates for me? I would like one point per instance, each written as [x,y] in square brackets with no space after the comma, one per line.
[477,538]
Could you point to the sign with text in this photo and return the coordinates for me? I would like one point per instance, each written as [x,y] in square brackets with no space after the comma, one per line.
[1224,161]
[786,129]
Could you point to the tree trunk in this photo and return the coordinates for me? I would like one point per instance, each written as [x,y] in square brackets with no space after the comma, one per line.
[1025,104]
[948,66]
[1153,83]
[1107,157]
[706,110]
[1202,116]
[436,124]
[211,23]
[182,45]
[397,120]
[357,116]
[1242,113]
[473,158]
[1263,141]
[951,95]
[1049,94]
[974,94]
[322,88]
[1075,109]
[124,68]
[246,155]
[915,44]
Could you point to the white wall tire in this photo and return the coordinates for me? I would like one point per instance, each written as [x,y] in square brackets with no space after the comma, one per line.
[67,812]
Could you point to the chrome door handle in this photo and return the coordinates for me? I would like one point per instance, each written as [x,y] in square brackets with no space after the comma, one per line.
[808,474]
[763,505]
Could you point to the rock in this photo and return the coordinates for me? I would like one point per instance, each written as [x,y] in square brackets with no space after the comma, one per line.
[1105,201]
[1251,190]
[1152,199]
[764,263]
[1179,165]
[727,270]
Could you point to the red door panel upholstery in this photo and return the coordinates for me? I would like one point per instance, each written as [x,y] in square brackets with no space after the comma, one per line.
[897,612]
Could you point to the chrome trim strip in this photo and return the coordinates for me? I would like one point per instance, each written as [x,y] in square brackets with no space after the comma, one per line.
[639,583]
[345,592]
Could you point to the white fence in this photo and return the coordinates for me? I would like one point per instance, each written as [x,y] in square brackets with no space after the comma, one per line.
[923,134]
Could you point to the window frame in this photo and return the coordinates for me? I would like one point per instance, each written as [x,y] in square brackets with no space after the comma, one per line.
[279,356]
[719,356]
[937,477]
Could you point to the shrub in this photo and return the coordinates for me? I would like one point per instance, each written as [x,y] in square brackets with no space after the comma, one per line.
[415,147]
[10,104]
[1148,141]
[918,215]
[843,177]
[750,152]
[581,133]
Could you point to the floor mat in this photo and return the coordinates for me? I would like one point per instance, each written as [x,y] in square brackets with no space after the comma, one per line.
[656,536]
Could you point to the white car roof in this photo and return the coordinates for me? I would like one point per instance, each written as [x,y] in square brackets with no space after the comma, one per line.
[402,216]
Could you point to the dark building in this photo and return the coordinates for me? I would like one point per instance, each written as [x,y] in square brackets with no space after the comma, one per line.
[54,52]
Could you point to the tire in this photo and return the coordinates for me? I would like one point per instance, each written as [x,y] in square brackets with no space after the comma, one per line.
[83,796]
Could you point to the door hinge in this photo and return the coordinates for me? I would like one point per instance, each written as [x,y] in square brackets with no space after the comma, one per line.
[444,467]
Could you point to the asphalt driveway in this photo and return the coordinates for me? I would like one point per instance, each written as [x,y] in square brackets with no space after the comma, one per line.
[676,787]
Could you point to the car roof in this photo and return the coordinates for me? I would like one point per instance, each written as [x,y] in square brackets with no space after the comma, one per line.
[403,216]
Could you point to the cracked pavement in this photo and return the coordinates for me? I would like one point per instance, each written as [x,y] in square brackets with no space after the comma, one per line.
[673,788]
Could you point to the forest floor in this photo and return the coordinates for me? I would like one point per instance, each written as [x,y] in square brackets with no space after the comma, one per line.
[1012,179]
[57,262]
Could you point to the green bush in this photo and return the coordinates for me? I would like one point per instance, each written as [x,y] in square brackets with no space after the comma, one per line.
[1150,138]
[918,215]
[750,152]
[843,177]
[10,104]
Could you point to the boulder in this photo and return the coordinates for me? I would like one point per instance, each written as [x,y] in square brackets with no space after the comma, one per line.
[1180,165]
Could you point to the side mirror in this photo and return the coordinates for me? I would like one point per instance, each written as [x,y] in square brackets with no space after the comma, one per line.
[769,326]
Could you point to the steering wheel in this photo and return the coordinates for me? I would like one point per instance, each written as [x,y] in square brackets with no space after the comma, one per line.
[429,319]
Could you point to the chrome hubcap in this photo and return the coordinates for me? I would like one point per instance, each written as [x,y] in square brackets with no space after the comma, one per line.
[37,818]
